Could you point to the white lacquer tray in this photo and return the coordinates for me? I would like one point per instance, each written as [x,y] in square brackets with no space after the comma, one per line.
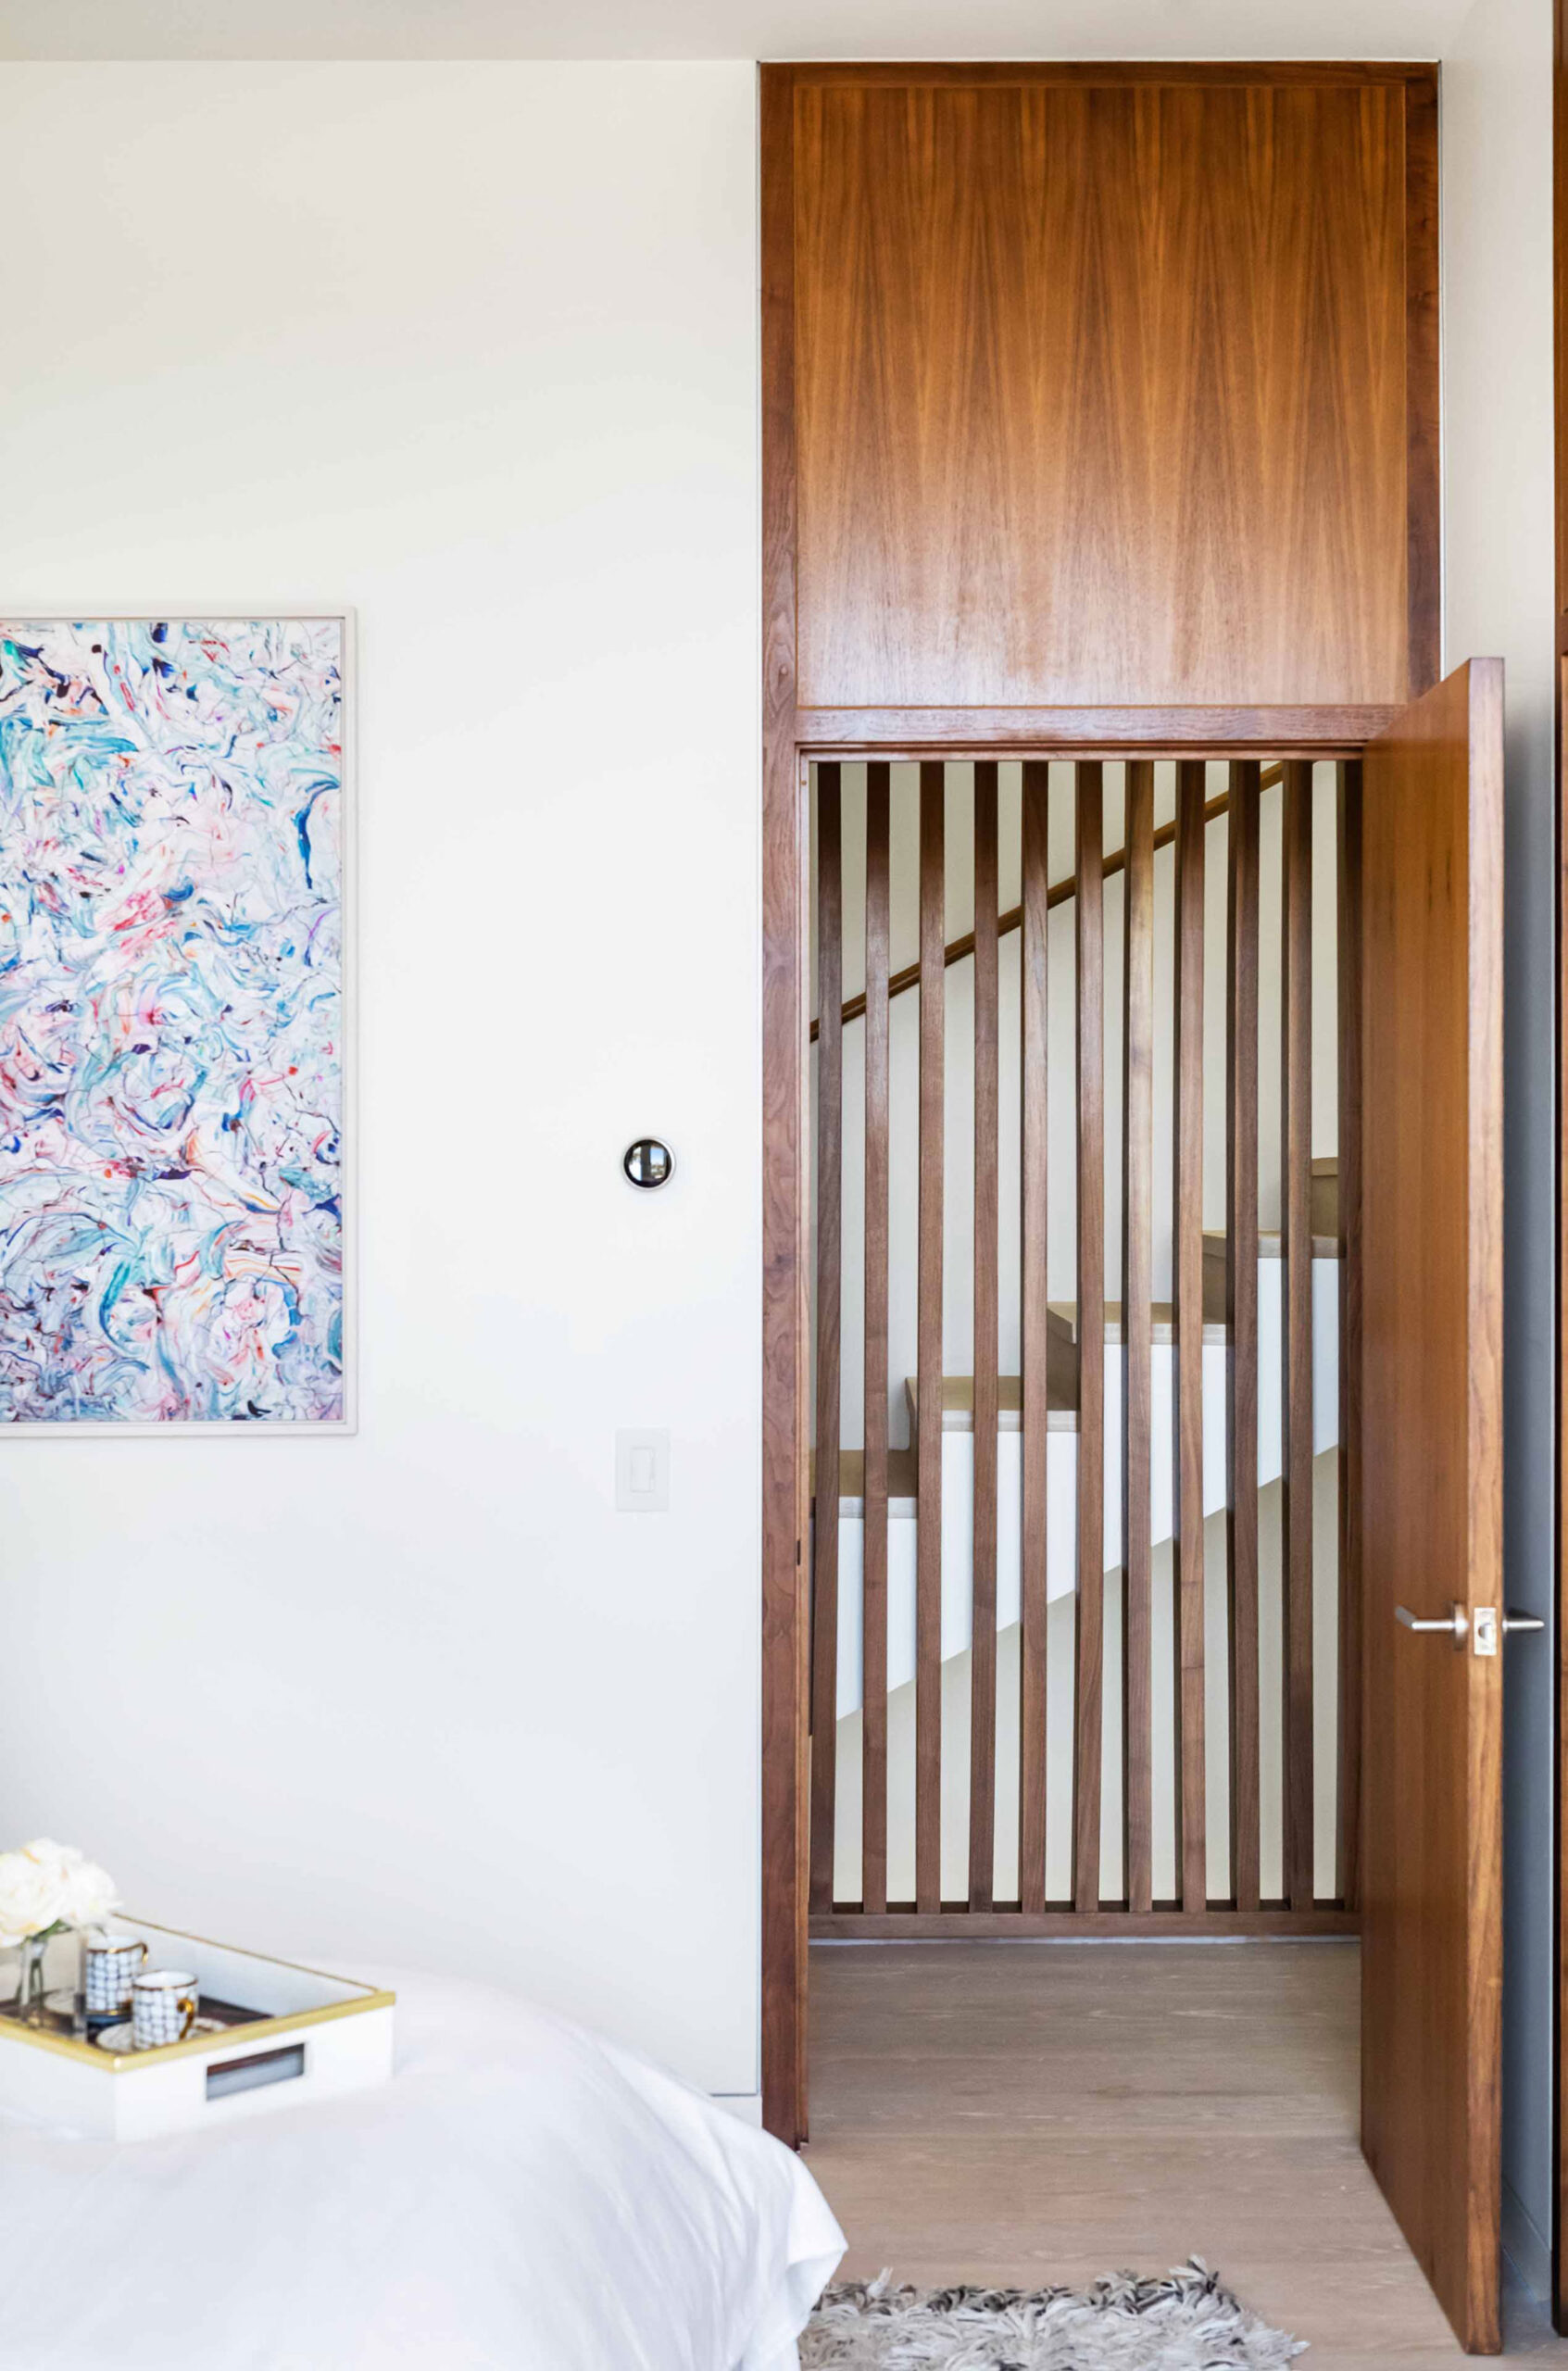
[286,2035]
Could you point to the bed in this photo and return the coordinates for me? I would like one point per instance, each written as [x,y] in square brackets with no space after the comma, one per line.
[522,2196]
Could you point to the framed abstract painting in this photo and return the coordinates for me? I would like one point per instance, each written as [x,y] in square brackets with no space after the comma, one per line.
[173,1023]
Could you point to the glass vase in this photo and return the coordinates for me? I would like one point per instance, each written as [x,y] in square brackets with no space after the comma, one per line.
[28,2006]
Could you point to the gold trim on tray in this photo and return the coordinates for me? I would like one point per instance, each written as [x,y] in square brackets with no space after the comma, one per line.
[198,2045]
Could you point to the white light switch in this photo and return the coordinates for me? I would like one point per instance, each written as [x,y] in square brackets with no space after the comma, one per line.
[642,1473]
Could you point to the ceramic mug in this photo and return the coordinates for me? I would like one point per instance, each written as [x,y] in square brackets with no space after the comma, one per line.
[109,1963]
[163,2006]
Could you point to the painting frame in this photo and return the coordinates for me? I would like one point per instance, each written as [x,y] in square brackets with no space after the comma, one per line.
[342,616]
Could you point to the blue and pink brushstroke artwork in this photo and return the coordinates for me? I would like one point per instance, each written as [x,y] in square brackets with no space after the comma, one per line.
[171,1016]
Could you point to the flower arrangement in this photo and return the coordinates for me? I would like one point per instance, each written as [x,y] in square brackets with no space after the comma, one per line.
[45,1887]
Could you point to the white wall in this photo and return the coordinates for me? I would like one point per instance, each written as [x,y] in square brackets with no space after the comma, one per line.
[897,29]
[473,349]
[1498,404]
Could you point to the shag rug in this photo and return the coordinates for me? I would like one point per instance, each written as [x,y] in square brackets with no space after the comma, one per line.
[1185,2322]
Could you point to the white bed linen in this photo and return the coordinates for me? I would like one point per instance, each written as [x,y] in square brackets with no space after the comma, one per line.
[522,2197]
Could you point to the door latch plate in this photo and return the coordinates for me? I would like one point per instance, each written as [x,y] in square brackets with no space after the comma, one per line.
[1483,1629]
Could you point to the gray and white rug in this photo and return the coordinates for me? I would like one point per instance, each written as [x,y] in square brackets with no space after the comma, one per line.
[1184,2322]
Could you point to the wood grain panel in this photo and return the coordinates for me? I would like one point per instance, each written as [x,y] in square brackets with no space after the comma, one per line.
[983,1656]
[1241,1318]
[1138,1337]
[829,1251]
[1034,921]
[1142,730]
[1349,935]
[1089,1651]
[1423,466]
[1295,1245]
[1187,1267]
[928,1578]
[874,1592]
[1139,565]
[1431,1225]
[1070,348]
[1219,73]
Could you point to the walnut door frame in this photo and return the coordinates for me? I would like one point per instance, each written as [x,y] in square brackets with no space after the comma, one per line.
[794,736]
[1320,735]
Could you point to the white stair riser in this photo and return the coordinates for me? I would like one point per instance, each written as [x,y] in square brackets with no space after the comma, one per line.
[1061,1486]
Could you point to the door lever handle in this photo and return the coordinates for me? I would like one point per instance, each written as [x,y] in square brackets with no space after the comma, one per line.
[1454,1624]
[1488,1628]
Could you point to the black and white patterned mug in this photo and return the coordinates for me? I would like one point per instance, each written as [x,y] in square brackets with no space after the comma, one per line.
[109,1964]
[164,2002]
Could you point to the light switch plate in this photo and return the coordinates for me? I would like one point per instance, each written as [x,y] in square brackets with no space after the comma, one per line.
[642,1473]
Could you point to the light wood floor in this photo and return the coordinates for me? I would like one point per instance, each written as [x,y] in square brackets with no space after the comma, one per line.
[1025,2112]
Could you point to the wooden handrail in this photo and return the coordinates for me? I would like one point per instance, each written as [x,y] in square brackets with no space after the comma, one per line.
[1057,895]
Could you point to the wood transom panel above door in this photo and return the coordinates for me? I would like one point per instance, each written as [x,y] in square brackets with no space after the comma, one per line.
[1104,385]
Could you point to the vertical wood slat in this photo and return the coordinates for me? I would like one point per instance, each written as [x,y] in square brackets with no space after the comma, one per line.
[830,1205]
[1188,1264]
[1137,1335]
[1033,974]
[873,1607]
[1296,1247]
[1089,1657]
[983,1657]
[1241,1315]
[1349,935]
[928,1350]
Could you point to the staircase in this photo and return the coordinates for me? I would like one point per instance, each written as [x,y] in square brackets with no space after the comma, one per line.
[958,1452]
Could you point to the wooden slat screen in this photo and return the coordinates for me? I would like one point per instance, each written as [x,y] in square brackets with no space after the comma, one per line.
[874,1598]
[1062,1353]
[829,1251]
[983,1661]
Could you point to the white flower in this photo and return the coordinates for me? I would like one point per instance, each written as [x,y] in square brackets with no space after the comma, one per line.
[30,1897]
[91,1893]
[45,1885]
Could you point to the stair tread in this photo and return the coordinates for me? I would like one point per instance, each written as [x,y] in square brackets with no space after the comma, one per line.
[903,1469]
[958,1396]
[1062,1318]
[1324,1247]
